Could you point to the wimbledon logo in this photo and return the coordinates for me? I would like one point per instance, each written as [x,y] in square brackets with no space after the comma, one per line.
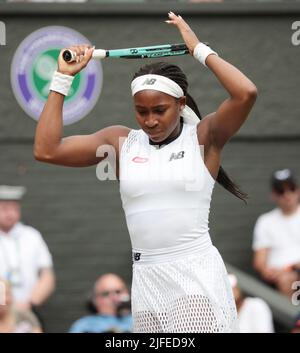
[32,68]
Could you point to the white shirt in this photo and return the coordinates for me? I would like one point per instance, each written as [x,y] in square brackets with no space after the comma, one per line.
[281,235]
[166,192]
[23,253]
[255,316]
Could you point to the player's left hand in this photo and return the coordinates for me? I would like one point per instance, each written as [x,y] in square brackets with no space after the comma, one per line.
[185,30]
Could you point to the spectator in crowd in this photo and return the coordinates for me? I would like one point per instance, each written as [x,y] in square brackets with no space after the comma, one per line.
[13,320]
[110,304]
[254,314]
[25,261]
[277,235]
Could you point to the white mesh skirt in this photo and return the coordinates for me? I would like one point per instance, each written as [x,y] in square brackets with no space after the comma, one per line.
[182,289]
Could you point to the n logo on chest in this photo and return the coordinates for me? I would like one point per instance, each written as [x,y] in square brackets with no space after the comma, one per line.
[175,156]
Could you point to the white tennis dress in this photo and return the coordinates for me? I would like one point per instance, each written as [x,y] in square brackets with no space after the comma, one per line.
[180,282]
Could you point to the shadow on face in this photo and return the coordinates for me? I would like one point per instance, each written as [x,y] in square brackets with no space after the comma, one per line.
[158,113]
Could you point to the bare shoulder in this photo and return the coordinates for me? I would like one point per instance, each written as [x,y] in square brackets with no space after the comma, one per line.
[113,134]
[114,131]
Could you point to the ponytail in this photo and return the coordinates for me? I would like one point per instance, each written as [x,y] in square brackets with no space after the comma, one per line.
[222,178]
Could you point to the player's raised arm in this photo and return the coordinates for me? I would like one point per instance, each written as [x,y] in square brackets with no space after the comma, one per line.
[232,113]
[75,151]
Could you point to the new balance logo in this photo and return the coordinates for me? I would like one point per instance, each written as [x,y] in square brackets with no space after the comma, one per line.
[138,159]
[149,81]
[136,256]
[175,156]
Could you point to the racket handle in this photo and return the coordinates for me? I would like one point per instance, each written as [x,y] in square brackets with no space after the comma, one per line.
[69,56]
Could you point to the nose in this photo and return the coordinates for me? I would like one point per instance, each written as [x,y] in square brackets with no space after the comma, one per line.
[288,195]
[115,298]
[151,122]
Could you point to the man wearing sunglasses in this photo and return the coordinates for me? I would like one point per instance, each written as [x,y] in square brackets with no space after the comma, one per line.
[110,305]
[276,242]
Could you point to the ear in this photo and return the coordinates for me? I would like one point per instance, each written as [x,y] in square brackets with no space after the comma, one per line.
[182,102]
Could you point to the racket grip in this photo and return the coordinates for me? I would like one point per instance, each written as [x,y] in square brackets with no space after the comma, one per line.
[99,54]
[69,56]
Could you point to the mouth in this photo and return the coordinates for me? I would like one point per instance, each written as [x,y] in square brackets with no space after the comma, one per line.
[156,138]
[154,135]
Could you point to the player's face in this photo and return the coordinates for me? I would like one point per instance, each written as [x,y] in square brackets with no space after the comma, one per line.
[158,114]
[9,214]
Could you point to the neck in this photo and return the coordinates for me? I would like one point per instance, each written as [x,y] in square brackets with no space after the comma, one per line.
[108,313]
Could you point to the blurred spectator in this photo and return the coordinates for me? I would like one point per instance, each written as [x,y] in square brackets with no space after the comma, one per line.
[276,242]
[296,328]
[110,305]
[11,319]
[254,314]
[25,261]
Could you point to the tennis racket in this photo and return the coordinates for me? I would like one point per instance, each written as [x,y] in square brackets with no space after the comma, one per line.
[155,51]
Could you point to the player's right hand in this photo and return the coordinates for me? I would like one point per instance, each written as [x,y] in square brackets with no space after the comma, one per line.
[83,56]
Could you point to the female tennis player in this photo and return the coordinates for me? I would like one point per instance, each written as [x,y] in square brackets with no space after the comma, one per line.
[180,282]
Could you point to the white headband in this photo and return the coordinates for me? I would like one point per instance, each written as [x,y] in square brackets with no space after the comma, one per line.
[158,83]
[165,85]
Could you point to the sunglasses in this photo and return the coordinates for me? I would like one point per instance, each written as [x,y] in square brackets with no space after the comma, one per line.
[282,191]
[107,293]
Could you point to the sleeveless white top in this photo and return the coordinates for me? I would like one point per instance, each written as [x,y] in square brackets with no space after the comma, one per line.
[165,192]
